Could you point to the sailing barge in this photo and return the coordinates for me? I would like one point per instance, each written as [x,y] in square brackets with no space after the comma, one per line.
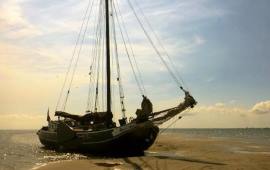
[95,131]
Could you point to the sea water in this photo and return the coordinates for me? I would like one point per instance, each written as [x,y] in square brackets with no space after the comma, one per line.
[22,150]
[257,135]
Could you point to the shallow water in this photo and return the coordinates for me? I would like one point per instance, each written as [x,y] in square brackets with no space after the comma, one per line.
[256,135]
[21,150]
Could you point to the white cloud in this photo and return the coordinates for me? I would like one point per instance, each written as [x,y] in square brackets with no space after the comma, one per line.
[13,23]
[181,12]
[199,40]
[261,107]
[220,108]
[224,115]
[51,54]
[219,104]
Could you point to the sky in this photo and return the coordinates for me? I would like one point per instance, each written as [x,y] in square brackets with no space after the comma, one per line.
[220,48]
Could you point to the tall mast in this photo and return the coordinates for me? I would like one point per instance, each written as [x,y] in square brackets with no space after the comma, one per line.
[108,66]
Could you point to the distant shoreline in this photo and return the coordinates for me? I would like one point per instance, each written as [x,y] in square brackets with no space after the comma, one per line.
[160,129]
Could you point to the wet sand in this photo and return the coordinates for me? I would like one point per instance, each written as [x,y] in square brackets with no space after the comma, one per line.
[173,152]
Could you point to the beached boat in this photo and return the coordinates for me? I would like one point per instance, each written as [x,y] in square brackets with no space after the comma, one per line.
[95,131]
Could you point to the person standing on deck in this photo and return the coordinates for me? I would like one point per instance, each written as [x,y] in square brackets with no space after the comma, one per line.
[147,106]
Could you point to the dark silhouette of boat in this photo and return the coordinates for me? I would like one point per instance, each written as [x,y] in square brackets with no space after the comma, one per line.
[95,131]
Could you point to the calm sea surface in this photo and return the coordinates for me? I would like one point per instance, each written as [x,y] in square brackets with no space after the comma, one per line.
[21,149]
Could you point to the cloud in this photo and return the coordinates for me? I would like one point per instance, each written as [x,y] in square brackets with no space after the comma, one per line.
[188,114]
[219,104]
[220,108]
[261,107]
[40,36]
[199,40]
[13,23]
[23,59]
[183,11]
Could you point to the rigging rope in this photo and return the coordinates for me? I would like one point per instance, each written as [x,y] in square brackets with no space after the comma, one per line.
[78,56]
[92,67]
[132,67]
[88,104]
[161,44]
[95,53]
[173,123]
[99,52]
[72,57]
[153,45]
[112,74]
[132,51]
[119,80]
[112,62]
[103,72]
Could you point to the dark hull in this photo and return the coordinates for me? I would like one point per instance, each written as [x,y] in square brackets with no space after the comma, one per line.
[129,138]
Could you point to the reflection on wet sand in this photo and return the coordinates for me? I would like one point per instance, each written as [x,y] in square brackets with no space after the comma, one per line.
[171,156]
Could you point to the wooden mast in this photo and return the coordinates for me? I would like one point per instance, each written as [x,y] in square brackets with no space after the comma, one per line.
[108,66]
